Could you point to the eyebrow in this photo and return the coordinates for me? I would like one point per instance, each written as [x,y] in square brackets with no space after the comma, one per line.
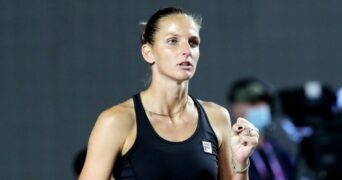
[172,34]
[177,35]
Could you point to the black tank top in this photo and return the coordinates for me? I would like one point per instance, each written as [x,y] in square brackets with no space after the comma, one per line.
[154,158]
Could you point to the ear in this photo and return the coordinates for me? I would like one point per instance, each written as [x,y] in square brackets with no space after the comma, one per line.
[146,51]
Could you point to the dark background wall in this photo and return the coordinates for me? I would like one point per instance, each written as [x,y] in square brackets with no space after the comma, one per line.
[63,62]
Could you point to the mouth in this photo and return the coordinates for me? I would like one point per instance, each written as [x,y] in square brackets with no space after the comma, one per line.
[185,64]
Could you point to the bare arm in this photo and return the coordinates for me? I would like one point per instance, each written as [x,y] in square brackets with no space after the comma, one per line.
[105,143]
[226,155]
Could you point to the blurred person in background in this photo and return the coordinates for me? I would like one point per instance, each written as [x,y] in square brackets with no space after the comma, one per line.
[254,99]
[312,118]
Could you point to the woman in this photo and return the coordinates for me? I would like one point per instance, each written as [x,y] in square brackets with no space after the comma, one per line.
[163,132]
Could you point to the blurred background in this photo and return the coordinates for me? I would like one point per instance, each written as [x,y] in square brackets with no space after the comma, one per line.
[63,62]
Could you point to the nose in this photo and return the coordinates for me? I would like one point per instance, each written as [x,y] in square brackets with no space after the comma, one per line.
[186,49]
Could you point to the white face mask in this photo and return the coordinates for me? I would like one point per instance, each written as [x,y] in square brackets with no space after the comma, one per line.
[259,116]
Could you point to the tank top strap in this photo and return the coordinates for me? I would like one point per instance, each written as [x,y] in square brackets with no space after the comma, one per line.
[138,107]
[203,121]
[145,131]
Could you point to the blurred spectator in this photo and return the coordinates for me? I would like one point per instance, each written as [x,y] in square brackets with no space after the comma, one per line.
[314,121]
[254,100]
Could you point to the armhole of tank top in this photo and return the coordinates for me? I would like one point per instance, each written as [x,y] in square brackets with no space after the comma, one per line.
[206,118]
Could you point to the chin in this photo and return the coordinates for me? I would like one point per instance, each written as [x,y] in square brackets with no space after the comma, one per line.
[186,78]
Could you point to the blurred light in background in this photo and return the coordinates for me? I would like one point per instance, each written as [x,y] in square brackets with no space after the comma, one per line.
[339,98]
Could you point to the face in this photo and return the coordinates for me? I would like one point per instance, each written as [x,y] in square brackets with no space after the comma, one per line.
[175,50]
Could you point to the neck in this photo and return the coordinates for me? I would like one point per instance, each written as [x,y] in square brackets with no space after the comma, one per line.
[165,98]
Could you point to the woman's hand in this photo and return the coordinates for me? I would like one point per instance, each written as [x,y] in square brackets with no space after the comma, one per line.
[245,138]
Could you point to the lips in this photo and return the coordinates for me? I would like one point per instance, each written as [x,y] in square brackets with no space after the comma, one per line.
[185,64]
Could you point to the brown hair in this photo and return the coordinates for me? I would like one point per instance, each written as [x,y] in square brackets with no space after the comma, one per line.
[151,26]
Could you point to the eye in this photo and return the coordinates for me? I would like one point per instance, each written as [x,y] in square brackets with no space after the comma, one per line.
[194,43]
[172,41]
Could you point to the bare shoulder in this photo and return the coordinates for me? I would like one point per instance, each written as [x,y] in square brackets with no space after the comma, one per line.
[106,140]
[215,111]
[120,114]
[115,123]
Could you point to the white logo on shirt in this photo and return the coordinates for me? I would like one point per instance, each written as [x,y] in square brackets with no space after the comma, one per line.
[207,147]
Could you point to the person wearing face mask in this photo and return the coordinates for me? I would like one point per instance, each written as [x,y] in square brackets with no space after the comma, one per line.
[254,100]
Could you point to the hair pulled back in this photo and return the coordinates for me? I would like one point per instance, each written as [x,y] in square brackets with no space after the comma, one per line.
[151,27]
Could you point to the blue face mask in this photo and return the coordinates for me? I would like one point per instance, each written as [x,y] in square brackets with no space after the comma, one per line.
[259,116]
